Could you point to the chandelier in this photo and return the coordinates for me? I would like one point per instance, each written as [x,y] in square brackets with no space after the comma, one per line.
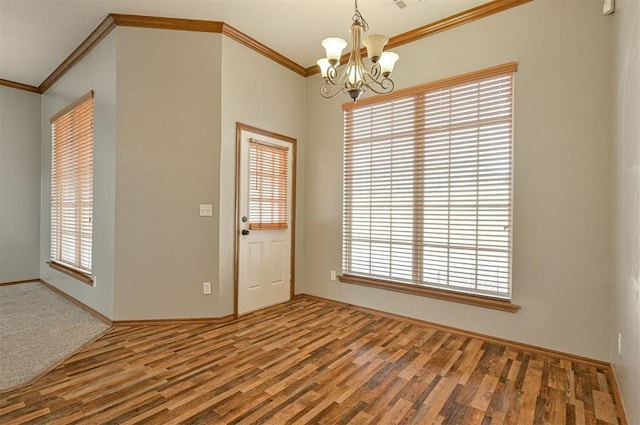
[354,79]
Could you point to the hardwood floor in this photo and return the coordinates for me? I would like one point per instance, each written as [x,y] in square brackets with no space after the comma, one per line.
[307,361]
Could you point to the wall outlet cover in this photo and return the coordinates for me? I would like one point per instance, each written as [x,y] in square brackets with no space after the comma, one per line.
[619,344]
[206,210]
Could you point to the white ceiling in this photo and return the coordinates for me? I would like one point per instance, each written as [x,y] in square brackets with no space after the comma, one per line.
[37,35]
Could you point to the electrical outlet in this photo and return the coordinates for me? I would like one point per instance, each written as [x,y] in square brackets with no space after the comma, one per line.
[333,275]
[619,344]
[206,288]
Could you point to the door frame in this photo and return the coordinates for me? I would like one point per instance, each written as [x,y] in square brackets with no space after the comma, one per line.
[240,128]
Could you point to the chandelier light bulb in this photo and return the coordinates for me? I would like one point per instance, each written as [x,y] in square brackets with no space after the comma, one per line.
[387,61]
[375,44]
[354,75]
[324,66]
[334,46]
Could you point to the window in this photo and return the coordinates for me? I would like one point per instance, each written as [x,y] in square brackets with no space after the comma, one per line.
[268,181]
[72,188]
[428,187]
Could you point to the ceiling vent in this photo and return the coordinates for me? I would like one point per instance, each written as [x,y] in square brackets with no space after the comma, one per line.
[400,3]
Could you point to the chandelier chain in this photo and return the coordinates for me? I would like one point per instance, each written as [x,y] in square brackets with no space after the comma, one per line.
[357,17]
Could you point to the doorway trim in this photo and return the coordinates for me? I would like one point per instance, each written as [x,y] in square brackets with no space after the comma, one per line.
[240,127]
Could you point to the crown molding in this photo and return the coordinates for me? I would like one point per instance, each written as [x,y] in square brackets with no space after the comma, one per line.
[464,17]
[258,47]
[139,21]
[19,86]
[80,52]
[157,22]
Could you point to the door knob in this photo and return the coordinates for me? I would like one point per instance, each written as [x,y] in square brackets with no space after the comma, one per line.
[245,232]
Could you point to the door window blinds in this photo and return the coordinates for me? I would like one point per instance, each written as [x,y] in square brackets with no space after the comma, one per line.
[268,183]
[72,185]
[428,185]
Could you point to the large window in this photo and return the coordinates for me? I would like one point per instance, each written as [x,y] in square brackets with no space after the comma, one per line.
[428,186]
[72,187]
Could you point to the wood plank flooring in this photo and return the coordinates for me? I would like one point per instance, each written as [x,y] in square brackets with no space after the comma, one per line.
[310,362]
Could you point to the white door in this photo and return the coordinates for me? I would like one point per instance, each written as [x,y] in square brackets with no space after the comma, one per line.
[264,221]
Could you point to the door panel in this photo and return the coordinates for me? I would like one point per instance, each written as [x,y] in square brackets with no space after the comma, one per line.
[254,264]
[277,262]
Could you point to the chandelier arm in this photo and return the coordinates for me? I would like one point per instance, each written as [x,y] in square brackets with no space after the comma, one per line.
[328,90]
[383,86]
[376,82]
[336,78]
[365,74]
[376,71]
[372,76]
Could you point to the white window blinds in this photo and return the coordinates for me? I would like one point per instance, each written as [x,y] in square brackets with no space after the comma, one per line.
[268,180]
[72,185]
[428,185]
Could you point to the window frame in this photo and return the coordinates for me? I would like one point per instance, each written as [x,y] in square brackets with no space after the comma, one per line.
[415,287]
[75,118]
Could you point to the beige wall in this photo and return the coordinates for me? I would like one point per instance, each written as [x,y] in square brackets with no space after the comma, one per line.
[168,155]
[97,72]
[626,202]
[561,260]
[258,92]
[19,185]
[180,95]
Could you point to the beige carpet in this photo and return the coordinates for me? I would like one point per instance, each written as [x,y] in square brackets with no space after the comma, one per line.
[39,328]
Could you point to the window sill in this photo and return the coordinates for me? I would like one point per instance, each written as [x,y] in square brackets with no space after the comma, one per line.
[475,300]
[82,277]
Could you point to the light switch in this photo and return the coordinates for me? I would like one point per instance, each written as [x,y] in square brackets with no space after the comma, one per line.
[206,210]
